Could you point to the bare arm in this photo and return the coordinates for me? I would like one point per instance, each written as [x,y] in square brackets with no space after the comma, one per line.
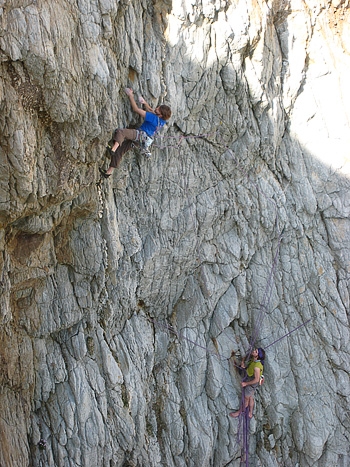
[134,106]
[147,106]
[255,380]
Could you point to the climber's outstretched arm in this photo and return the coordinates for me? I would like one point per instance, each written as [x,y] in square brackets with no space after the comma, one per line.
[147,106]
[134,106]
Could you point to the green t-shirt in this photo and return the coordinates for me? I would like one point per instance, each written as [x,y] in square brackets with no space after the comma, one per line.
[251,367]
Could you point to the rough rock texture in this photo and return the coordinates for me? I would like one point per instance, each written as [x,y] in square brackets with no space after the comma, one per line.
[121,302]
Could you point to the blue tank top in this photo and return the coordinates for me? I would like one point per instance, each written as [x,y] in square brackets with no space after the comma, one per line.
[151,124]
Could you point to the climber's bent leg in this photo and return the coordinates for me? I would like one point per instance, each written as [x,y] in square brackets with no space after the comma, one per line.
[123,140]
[120,135]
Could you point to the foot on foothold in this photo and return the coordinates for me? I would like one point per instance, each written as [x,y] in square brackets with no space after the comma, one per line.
[104,173]
[235,414]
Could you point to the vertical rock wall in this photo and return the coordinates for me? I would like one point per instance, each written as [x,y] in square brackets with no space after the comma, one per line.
[121,301]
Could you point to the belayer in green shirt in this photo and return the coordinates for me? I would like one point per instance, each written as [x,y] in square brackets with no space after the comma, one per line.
[254,378]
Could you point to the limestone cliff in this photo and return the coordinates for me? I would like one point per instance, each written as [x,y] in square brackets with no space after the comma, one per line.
[122,300]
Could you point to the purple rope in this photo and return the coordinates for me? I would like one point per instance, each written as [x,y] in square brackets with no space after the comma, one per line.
[262,309]
[243,424]
[266,297]
[179,335]
[246,436]
[289,333]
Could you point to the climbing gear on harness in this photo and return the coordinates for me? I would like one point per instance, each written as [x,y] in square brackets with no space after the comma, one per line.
[142,151]
[142,142]
[146,153]
[143,139]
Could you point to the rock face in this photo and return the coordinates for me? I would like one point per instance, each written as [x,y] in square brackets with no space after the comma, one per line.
[122,300]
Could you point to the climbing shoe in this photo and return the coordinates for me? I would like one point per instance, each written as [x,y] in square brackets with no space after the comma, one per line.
[104,173]
[109,150]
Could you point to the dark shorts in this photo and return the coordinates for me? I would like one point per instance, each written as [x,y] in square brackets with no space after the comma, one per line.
[125,138]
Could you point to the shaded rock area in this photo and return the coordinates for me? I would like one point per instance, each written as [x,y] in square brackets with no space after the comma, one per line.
[122,299]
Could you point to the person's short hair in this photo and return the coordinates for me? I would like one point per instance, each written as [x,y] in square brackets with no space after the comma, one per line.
[165,111]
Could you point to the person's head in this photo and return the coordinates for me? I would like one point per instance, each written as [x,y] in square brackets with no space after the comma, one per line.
[164,111]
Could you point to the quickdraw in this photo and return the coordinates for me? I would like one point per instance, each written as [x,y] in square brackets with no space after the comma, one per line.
[143,139]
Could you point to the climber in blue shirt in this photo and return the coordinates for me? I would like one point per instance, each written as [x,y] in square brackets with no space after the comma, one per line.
[124,138]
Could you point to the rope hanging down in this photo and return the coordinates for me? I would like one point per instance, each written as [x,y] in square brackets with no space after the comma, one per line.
[263,308]
[243,429]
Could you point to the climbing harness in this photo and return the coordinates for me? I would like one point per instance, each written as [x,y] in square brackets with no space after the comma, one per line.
[142,143]
[143,139]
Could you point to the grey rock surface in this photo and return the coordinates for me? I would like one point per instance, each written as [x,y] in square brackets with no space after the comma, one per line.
[122,300]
